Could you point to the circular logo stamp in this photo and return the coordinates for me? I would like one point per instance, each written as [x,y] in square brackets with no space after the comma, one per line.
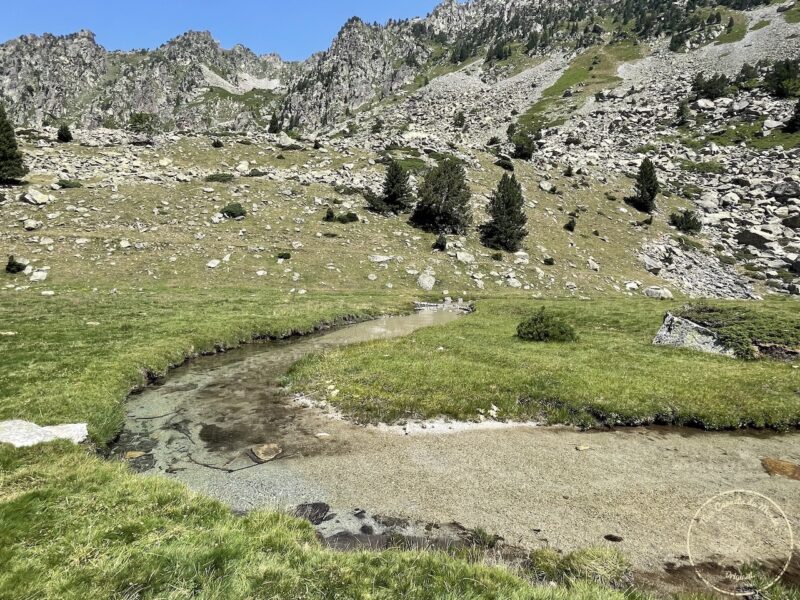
[740,542]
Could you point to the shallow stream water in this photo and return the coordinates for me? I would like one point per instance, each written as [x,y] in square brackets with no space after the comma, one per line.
[213,422]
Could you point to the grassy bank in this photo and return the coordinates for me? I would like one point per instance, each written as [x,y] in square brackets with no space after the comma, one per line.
[74,357]
[612,374]
[77,527]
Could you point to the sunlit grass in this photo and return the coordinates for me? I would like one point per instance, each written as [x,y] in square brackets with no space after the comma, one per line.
[613,374]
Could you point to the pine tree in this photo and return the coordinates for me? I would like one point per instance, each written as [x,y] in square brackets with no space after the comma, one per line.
[11,166]
[396,190]
[793,124]
[444,200]
[647,187]
[64,135]
[506,229]
[274,124]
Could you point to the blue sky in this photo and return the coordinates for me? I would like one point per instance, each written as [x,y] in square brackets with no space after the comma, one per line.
[293,28]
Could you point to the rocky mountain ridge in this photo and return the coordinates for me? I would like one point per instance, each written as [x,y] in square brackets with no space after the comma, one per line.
[191,82]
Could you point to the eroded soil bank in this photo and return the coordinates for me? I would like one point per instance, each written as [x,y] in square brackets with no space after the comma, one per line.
[214,420]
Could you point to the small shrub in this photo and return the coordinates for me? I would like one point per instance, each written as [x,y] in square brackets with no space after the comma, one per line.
[712,88]
[234,210]
[498,256]
[524,146]
[257,173]
[217,144]
[494,141]
[544,327]
[145,123]
[686,222]
[68,184]
[783,79]
[460,120]
[349,217]
[64,135]
[13,267]
[220,178]
[505,164]
[284,256]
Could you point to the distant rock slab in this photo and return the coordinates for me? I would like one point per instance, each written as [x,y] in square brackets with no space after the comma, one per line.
[22,434]
[682,333]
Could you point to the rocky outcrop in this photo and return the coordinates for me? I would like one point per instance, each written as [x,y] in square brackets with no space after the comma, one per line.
[189,82]
[682,333]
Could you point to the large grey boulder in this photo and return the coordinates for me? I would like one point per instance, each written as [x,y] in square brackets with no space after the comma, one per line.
[426,281]
[659,293]
[36,198]
[284,142]
[682,333]
[785,190]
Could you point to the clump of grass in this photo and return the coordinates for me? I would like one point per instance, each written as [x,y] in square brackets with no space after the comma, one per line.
[545,327]
[707,167]
[219,178]
[744,330]
[68,184]
[605,566]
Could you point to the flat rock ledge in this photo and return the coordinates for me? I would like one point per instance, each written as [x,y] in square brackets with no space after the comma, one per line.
[22,434]
[682,333]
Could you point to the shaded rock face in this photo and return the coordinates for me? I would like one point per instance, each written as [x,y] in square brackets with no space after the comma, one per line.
[682,333]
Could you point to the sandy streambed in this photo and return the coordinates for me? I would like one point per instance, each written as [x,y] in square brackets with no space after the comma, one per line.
[213,421]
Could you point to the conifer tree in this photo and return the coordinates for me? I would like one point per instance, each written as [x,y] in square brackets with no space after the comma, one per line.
[793,125]
[396,190]
[64,135]
[274,124]
[647,187]
[506,229]
[444,200]
[11,166]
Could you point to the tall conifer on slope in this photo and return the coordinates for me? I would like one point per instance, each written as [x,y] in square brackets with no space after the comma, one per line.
[506,229]
[12,167]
